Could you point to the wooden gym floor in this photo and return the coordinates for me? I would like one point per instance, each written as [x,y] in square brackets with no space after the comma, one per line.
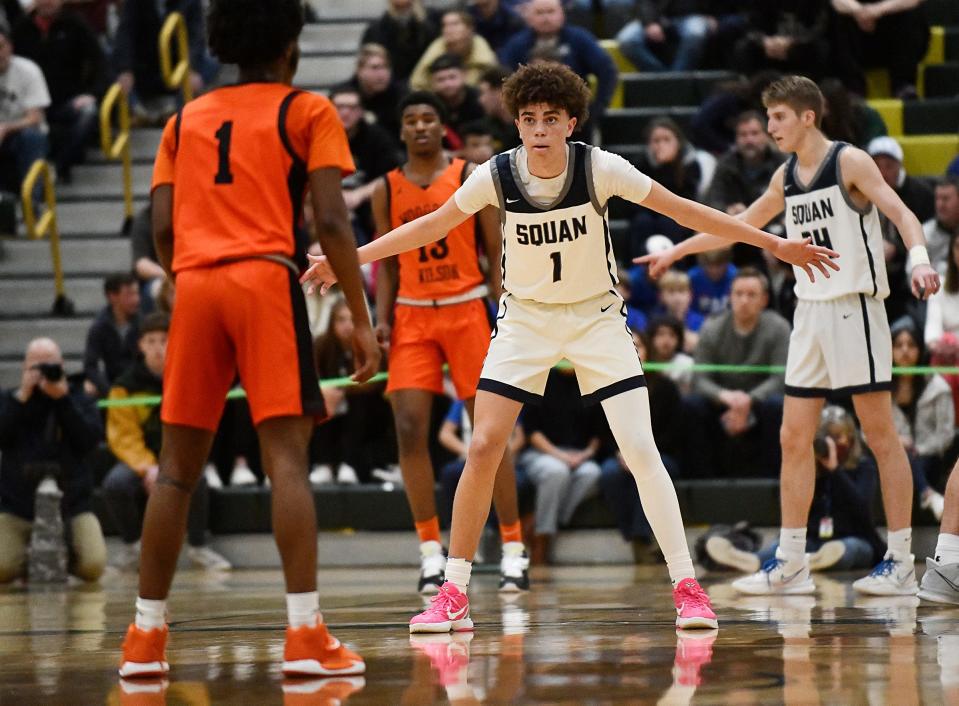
[584,635]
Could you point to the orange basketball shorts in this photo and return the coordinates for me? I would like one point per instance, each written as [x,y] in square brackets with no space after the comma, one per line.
[246,317]
[424,338]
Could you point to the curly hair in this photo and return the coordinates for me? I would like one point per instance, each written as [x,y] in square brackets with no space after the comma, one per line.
[253,32]
[556,85]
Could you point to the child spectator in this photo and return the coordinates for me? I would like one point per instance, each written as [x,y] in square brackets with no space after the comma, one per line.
[133,435]
[675,299]
[356,438]
[711,281]
[923,412]
[842,531]
[477,142]
[665,336]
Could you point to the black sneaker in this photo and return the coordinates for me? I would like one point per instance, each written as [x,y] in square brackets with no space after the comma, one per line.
[514,568]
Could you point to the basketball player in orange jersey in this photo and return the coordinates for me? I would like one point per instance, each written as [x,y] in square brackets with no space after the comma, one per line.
[431,308]
[228,186]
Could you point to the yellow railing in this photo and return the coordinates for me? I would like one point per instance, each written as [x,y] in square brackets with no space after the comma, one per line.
[118,148]
[45,226]
[176,76]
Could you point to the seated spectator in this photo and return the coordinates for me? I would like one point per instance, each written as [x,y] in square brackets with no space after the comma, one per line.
[136,59]
[738,415]
[941,228]
[847,117]
[618,484]
[146,265]
[498,119]
[354,440]
[942,308]
[785,35]
[841,532]
[378,91]
[666,344]
[459,39]
[448,81]
[23,129]
[69,54]
[743,173]
[374,154]
[94,13]
[48,425]
[405,30]
[675,299]
[564,441]
[576,47]
[712,280]
[133,435]
[918,197]
[870,34]
[111,345]
[713,127]
[667,35]
[923,413]
[496,21]
[477,142]
[669,159]
[454,436]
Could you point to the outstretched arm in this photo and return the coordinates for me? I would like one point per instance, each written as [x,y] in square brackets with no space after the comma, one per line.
[409,236]
[863,176]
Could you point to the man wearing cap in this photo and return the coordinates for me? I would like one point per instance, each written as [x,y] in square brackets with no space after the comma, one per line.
[917,195]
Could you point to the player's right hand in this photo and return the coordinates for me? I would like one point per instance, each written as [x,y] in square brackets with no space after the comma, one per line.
[366,353]
[658,262]
[383,333]
[319,274]
[802,253]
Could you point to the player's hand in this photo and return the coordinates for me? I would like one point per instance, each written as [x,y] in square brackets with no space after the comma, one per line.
[802,253]
[925,281]
[366,353]
[658,262]
[319,274]
[383,333]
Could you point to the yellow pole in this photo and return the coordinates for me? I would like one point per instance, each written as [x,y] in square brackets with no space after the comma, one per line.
[118,148]
[47,225]
[176,76]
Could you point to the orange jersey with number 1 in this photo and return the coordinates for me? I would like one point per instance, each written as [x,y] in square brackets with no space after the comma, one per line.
[449,266]
[239,158]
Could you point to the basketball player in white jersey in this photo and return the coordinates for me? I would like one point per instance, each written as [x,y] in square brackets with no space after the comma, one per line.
[560,301]
[840,344]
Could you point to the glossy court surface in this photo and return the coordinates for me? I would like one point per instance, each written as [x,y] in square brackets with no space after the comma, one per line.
[584,635]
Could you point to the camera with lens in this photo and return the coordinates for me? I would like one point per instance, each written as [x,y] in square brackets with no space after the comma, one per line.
[50,371]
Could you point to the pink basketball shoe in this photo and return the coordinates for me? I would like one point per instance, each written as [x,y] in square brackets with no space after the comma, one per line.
[693,609]
[449,610]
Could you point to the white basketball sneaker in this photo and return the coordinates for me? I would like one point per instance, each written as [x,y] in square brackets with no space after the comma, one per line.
[776,577]
[891,577]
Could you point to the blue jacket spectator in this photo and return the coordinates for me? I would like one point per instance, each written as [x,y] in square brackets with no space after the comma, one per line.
[576,48]
[496,22]
[711,281]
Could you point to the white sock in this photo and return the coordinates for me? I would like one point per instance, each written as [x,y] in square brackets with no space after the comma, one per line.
[151,614]
[303,609]
[900,542]
[458,573]
[629,420]
[947,549]
[792,545]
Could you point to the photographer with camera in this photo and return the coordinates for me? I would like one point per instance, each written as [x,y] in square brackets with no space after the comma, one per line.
[47,426]
[133,435]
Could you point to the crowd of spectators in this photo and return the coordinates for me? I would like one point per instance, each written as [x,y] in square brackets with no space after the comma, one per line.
[731,306]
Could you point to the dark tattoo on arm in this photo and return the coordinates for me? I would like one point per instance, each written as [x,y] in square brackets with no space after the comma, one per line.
[164,479]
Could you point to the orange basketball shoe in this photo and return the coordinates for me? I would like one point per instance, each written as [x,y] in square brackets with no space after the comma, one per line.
[312,652]
[144,653]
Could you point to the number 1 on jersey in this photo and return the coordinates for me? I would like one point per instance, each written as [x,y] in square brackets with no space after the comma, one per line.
[557,266]
[223,137]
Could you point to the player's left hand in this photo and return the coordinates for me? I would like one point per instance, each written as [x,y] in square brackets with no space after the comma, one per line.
[366,353]
[925,281]
[802,253]
[319,274]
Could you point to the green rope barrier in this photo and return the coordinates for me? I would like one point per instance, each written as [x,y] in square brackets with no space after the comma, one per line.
[239,393]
